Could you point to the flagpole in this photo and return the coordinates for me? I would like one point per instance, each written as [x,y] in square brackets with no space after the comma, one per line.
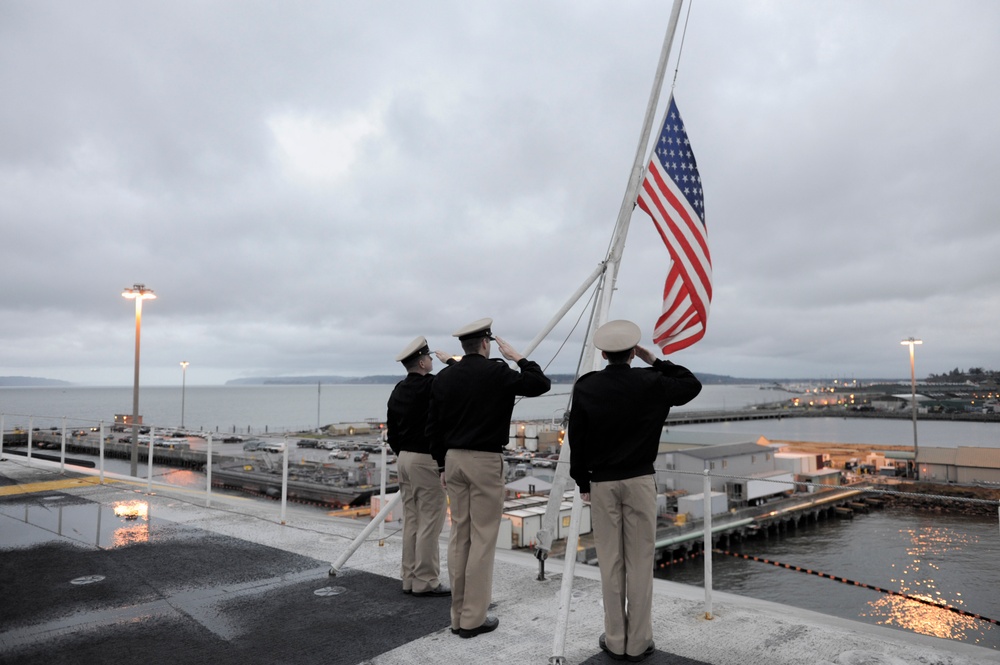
[635,180]
[606,287]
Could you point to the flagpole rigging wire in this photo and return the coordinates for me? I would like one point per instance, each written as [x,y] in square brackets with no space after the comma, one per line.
[680,48]
[566,341]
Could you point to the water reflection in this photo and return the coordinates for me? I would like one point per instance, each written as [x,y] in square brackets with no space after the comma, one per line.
[926,610]
[124,523]
[137,511]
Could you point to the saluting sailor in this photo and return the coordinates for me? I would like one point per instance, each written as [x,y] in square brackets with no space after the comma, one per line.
[615,423]
[468,426]
[419,479]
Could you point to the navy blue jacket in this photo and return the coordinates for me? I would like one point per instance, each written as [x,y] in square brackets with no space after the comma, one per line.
[472,402]
[616,418]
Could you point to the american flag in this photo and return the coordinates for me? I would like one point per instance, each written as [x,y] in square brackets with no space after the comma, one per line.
[671,194]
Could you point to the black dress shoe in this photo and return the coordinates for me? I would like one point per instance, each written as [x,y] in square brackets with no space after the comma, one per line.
[439,590]
[602,642]
[407,591]
[643,656]
[488,626]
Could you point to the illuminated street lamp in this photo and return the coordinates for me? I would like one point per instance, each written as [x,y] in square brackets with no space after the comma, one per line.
[913,402]
[138,292]
[184,371]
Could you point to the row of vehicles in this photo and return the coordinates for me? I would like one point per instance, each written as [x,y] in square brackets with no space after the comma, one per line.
[330,444]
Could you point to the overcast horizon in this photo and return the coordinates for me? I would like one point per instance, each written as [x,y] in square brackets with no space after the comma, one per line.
[307,187]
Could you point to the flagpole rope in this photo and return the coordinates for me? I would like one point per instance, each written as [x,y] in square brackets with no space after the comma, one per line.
[680,48]
[565,341]
[583,310]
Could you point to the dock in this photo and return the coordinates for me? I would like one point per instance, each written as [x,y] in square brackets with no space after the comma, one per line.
[171,580]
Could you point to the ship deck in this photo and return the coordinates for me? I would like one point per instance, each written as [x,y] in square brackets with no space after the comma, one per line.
[229,583]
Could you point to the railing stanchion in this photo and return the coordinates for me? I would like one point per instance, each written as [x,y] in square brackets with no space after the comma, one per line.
[62,448]
[284,481]
[707,489]
[100,448]
[381,500]
[208,471]
[149,461]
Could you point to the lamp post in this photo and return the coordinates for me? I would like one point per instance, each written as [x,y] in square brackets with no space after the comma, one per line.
[913,402]
[184,371]
[138,292]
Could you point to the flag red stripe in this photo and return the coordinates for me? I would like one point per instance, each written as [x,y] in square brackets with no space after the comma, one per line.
[676,241]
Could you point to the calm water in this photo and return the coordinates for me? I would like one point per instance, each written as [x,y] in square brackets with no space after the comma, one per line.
[280,408]
[950,559]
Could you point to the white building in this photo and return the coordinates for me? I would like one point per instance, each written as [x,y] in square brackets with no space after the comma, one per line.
[742,466]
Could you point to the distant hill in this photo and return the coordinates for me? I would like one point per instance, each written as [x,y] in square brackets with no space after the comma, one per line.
[29,381]
[381,379]
[311,380]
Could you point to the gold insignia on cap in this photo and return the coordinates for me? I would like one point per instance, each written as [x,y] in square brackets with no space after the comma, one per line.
[480,328]
[416,347]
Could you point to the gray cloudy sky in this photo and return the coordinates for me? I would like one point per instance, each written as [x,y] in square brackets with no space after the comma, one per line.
[309,185]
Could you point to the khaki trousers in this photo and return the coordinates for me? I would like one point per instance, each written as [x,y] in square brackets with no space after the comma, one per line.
[623,513]
[423,519]
[475,491]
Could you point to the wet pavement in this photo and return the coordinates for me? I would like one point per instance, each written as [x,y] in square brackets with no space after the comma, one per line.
[93,573]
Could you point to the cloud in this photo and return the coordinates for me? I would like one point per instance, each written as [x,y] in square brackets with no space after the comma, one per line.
[306,188]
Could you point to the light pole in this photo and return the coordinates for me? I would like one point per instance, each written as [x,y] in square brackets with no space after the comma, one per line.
[184,371]
[138,292]
[913,402]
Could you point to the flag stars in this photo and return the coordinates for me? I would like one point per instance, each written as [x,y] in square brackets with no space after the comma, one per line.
[674,154]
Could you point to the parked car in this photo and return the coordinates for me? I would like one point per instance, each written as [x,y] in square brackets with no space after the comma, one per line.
[307,443]
[272,447]
[361,457]
[250,446]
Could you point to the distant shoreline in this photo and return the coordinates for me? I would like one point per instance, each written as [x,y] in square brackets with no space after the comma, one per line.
[389,379]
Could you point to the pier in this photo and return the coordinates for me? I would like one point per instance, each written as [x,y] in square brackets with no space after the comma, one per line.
[681,541]
[702,417]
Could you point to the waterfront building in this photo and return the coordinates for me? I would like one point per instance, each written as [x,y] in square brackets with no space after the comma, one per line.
[522,519]
[964,465]
[743,468]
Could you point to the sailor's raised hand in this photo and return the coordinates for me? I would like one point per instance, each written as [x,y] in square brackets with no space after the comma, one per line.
[508,351]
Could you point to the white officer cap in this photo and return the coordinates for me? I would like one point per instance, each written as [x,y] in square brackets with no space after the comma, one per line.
[480,328]
[417,347]
[617,335]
